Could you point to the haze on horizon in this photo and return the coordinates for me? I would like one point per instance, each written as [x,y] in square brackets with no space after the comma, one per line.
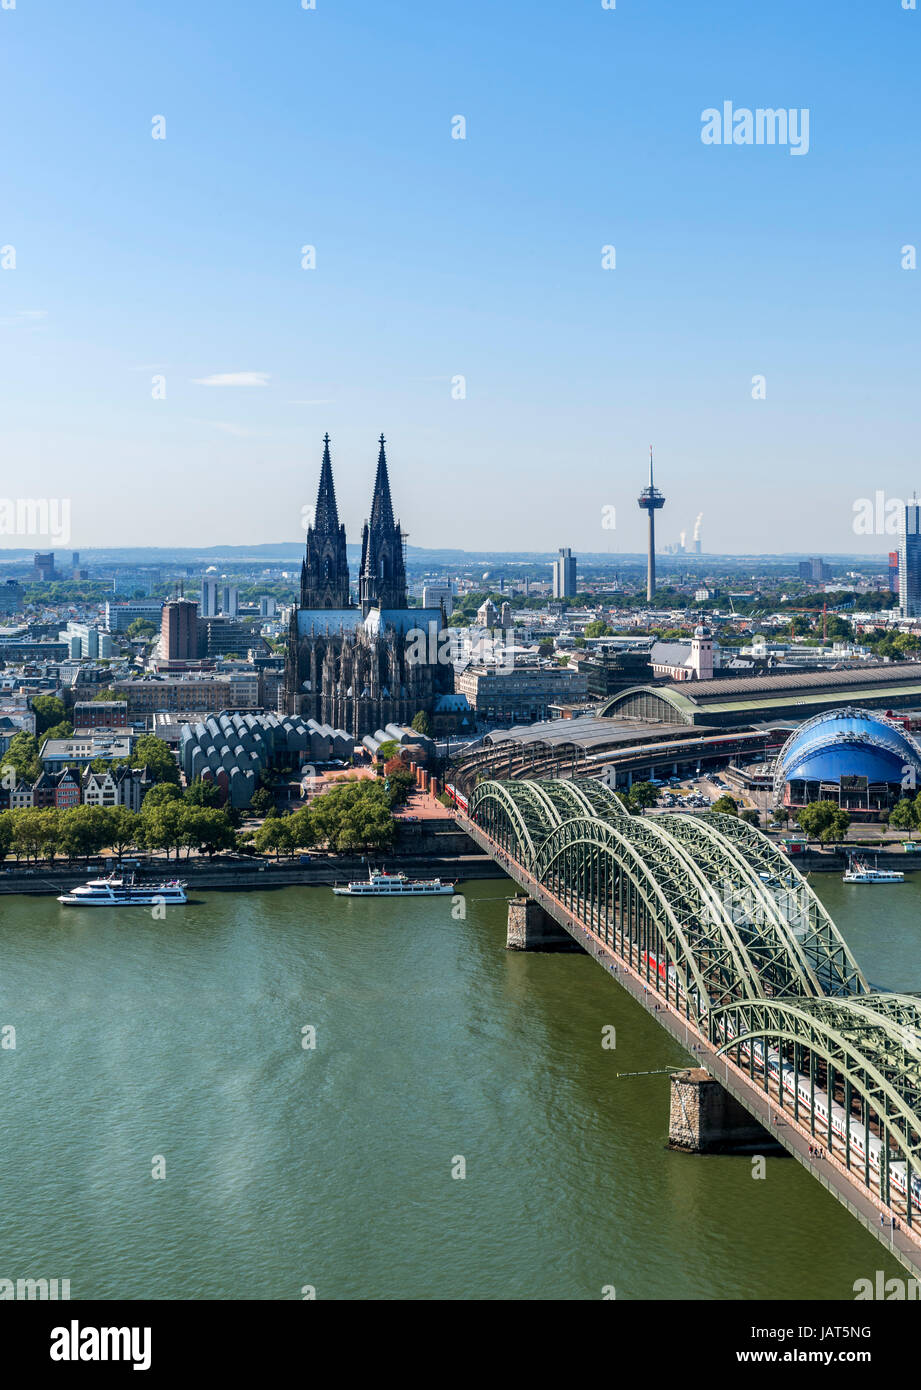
[439,258]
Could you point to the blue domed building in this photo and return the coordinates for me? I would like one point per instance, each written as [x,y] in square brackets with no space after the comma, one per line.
[860,760]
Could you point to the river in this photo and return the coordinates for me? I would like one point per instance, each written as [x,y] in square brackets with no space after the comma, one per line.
[176,1048]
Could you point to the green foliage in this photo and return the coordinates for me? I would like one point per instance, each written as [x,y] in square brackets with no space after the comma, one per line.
[158,796]
[262,802]
[202,794]
[421,724]
[49,710]
[824,820]
[388,749]
[62,730]
[750,817]
[106,695]
[353,815]
[22,757]
[598,629]
[641,795]
[726,804]
[151,752]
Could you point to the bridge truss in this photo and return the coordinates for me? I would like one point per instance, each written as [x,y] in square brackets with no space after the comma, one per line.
[718,921]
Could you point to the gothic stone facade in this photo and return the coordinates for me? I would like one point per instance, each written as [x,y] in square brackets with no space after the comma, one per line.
[359,667]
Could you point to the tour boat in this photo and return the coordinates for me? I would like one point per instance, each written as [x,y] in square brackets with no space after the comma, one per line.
[859,872]
[383,885]
[124,892]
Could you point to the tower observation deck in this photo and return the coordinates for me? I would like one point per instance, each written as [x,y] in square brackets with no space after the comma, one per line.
[651,500]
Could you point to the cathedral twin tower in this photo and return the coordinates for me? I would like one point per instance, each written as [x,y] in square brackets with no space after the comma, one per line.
[357,667]
[325,581]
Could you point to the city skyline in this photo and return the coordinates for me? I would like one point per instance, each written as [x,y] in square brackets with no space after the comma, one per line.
[442,266]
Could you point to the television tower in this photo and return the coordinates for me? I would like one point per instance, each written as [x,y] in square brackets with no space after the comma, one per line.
[651,501]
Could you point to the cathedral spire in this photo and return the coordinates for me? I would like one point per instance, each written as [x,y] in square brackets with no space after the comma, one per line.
[382,580]
[381,505]
[325,571]
[326,520]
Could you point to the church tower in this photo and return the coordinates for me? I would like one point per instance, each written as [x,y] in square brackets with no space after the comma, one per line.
[382,581]
[325,569]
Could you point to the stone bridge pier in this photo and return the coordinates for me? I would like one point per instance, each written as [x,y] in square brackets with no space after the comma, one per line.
[704,1118]
[530,928]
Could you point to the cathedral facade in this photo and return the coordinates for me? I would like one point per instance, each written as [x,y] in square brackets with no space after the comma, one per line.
[360,666]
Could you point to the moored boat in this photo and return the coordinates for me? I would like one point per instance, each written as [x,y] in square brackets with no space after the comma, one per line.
[124,891]
[383,885]
[859,871]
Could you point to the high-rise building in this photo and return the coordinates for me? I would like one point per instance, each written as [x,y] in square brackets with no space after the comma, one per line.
[44,566]
[651,501]
[230,600]
[210,597]
[910,560]
[179,631]
[268,606]
[564,574]
[893,571]
[814,570]
[433,595]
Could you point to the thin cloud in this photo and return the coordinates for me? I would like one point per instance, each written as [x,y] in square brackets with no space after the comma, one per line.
[23,316]
[233,379]
[326,402]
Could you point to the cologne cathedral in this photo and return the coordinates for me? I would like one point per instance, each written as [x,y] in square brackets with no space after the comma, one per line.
[358,667]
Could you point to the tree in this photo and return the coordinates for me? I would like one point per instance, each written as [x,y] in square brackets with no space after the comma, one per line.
[22,757]
[141,628]
[817,817]
[160,795]
[274,834]
[726,805]
[125,828]
[151,752]
[201,793]
[545,647]
[836,829]
[208,829]
[164,826]
[641,795]
[388,749]
[904,815]
[108,694]
[48,710]
[750,817]
[421,724]
[598,629]
[262,802]
[62,730]
[781,814]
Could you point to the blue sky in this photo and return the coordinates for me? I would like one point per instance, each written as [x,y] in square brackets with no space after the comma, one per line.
[439,258]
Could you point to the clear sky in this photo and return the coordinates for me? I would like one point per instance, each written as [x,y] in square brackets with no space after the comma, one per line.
[439,258]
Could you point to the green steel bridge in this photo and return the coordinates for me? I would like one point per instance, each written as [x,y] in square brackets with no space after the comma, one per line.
[726,933]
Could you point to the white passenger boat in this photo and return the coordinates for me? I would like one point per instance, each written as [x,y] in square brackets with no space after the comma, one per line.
[382,885]
[124,891]
[860,872]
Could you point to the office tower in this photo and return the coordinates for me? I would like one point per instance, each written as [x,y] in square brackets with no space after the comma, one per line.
[651,501]
[210,597]
[179,631]
[230,600]
[44,566]
[564,575]
[433,595]
[910,560]
[268,606]
[893,571]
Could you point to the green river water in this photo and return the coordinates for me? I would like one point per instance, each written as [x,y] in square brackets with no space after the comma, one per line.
[177,1046]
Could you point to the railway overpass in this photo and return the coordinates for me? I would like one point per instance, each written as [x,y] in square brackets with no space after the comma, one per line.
[715,932]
